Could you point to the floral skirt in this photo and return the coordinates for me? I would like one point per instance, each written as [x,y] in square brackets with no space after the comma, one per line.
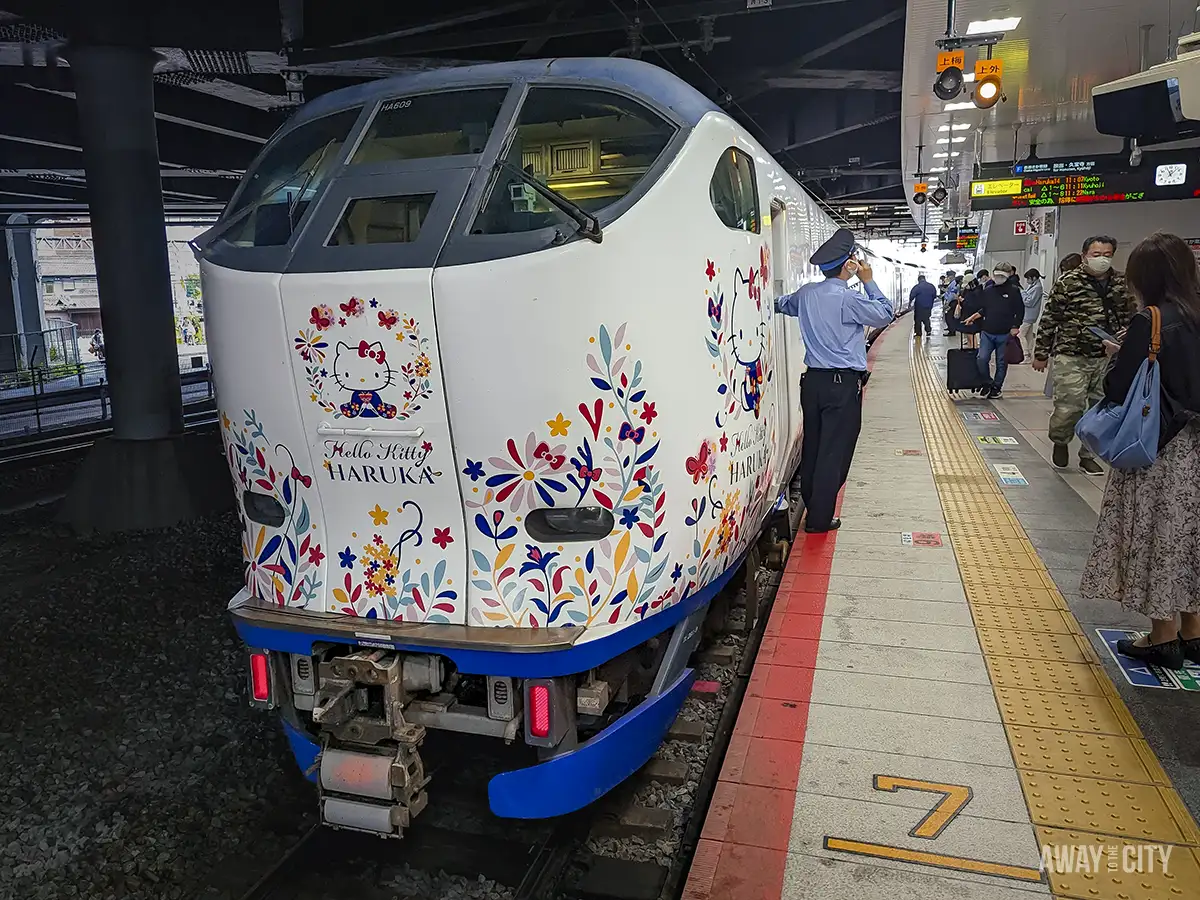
[1146,550]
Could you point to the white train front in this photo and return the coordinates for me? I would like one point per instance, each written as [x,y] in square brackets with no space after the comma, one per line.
[495,440]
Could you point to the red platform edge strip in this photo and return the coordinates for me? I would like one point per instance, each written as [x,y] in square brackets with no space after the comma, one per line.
[743,848]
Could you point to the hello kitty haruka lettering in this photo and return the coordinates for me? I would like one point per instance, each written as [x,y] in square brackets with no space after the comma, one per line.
[380,369]
[363,371]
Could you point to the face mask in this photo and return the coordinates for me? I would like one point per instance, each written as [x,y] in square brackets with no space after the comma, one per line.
[999,277]
[1098,265]
[852,268]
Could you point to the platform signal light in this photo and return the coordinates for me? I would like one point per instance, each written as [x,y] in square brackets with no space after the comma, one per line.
[938,197]
[988,88]
[948,84]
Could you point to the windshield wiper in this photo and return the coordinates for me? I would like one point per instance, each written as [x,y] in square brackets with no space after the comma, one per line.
[589,225]
[294,201]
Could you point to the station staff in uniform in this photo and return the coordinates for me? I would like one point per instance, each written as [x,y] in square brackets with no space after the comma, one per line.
[833,318]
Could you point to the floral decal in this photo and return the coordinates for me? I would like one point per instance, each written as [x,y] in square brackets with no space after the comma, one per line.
[611,465]
[282,564]
[366,377]
[380,576]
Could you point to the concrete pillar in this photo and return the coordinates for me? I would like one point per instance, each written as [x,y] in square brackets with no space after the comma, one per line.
[20,299]
[147,475]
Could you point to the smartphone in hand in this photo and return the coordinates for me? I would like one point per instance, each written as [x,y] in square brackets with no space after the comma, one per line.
[1103,335]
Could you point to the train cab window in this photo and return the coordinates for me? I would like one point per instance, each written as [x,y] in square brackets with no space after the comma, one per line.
[381,220]
[445,123]
[285,179]
[733,191]
[590,146]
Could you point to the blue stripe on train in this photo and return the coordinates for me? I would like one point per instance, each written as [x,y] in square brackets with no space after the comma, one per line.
[519,664]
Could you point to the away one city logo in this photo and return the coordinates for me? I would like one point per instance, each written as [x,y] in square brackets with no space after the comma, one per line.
[1074,859]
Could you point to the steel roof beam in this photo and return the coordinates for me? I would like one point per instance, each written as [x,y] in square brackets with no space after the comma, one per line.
[838,80]
[816,139]
[513,34]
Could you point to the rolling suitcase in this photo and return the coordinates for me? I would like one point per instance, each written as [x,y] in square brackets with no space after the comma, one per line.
[962,366]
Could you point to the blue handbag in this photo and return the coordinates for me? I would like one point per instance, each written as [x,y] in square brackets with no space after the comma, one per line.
[1126,436]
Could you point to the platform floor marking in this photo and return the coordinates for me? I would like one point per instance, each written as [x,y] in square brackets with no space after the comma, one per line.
[1144,675]
[1088,774]
[954,798]
[937,860]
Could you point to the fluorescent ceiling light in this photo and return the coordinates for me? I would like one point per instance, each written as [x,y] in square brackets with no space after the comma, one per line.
[951,107]
[943,140]
[959,140]
[963,127]
[858,209]
[992,26]
[968,77]
[938,169]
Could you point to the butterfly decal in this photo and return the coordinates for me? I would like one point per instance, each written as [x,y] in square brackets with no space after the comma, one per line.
[353,307]
[714,308]
[700,465]
[388,318]
[629,433]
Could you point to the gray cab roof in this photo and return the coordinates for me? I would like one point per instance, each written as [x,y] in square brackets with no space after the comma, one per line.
[650,81]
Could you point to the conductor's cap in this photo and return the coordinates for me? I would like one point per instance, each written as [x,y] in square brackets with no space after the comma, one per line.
[833,254]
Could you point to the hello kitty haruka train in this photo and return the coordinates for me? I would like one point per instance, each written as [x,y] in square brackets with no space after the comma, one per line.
[505,402]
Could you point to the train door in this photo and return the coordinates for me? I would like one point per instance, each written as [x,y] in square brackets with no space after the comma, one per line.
[788,390]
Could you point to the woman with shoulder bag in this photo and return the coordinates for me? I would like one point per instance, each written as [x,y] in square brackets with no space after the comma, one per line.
[1146,549]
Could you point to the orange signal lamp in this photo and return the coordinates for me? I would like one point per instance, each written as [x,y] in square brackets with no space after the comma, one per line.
[987,92]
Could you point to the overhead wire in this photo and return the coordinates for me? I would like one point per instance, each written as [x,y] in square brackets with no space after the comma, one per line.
[726,95]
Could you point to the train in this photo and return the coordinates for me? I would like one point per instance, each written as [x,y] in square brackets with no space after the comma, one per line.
[505,403]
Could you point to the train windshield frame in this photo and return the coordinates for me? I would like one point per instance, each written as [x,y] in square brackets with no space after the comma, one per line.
[442,142]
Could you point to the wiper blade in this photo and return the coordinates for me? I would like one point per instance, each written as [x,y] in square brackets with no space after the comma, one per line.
[589,225]
[312,173]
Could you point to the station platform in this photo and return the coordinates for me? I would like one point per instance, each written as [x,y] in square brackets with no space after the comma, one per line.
[933,712]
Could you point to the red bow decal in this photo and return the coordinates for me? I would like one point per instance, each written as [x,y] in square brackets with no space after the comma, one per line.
[589,474]
[365,351]
[543,452]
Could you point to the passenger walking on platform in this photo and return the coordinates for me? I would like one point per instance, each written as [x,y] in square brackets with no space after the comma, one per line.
[1032,298]
[1146,549]
[999,310]
[953,299]
[833,318]
[923,297]
[1092,296]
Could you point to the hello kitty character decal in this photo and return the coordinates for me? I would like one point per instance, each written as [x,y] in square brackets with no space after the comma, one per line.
[364,372]
[368,377]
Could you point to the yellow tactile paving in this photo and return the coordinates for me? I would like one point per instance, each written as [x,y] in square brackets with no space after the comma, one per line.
[1092,783]
[1133,811]
[1074,712]
[1033,645]
[1015,618]
[1109,856]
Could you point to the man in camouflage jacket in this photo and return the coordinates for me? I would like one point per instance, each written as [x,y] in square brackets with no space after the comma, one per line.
[1091,296]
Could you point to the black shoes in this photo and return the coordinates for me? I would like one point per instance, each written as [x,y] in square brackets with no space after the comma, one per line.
[1169,655]
[994,394]
[1090,467]
[833,526]
[1191,650]
[1062,456]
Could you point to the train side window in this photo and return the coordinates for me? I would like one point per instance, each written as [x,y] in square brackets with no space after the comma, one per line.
[285,179]
[591,146]
[381,220]
[424,126]
[733,191]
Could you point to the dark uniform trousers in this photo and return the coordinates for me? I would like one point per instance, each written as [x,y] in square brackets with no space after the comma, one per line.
[831,400]
[922,316]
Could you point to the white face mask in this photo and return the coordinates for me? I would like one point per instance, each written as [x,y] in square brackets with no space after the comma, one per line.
[999,277]
[1098,265]
[851,268]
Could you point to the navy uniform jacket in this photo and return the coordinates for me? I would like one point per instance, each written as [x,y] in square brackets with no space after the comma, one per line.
[832,318]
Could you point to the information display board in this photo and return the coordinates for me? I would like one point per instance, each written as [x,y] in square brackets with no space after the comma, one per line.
[1060,184]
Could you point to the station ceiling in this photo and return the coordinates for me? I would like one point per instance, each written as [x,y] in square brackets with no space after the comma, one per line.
[1056,54]
[817,81]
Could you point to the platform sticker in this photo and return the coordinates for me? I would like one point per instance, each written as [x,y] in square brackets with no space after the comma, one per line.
[992,439]
[1011,476]
[910,452]
[981,417]
[921,539]
[1141,674]
[954,798]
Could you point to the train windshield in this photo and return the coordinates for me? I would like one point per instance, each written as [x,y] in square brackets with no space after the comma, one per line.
[426,126]
[591,147]
[284,180]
